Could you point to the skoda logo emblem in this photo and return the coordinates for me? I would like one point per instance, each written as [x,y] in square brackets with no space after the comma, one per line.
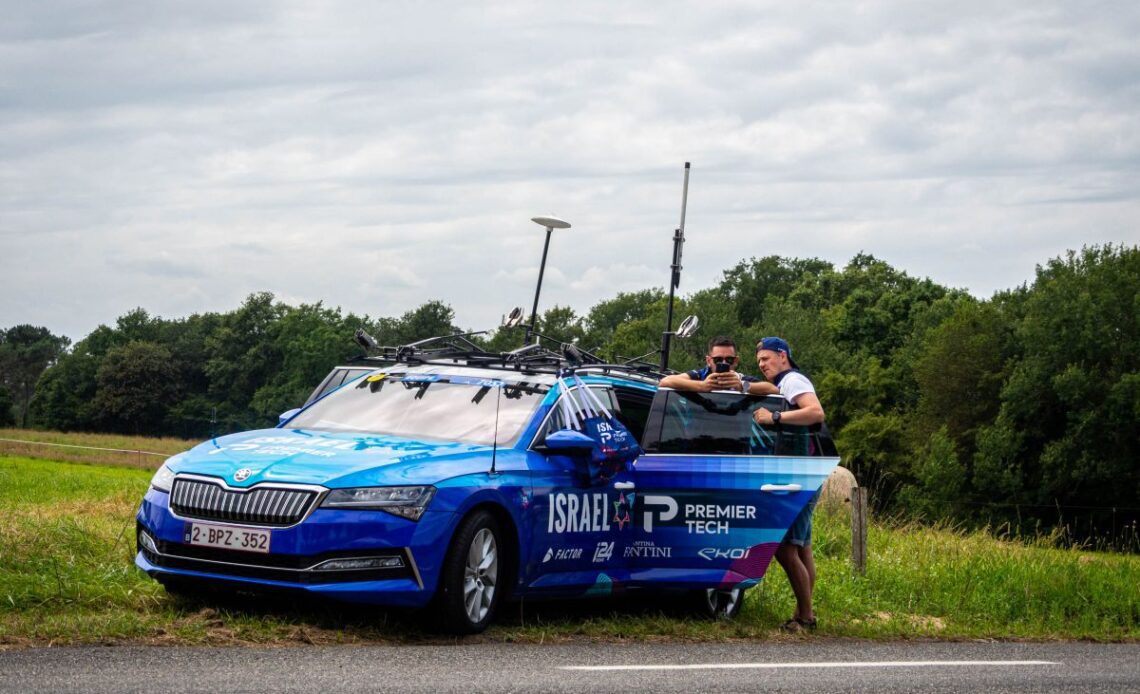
[242,474]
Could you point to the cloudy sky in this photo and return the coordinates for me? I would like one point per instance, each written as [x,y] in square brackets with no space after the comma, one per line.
[178,156]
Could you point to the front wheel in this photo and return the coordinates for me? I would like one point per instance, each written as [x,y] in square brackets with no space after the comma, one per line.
[471,586]
[713,603]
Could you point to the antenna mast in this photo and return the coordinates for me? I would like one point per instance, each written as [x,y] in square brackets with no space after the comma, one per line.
[675,278]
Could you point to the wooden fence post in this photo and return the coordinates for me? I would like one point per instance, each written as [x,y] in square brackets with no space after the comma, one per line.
[859,529]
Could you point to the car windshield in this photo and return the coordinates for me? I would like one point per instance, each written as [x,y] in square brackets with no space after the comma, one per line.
[431,406]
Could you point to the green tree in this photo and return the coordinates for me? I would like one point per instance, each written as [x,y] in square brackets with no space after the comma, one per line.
[874,448]
[136,386]
[26,351]
[66,392]
[749,284]
[941,480]
[1068,429]
[603,320]
[872,306]
[242,358]
[7,407]
[960,369]
[428,320]
[310,339]
[562,324]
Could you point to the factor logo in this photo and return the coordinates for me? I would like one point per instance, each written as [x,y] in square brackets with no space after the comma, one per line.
[242,474]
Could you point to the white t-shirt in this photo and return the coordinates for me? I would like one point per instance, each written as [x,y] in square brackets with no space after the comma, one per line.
[794,385]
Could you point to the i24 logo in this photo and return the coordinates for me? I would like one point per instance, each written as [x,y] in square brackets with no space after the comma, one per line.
[603,552]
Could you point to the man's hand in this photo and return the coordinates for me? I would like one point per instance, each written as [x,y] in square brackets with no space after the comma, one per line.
[729,380]
[763,417]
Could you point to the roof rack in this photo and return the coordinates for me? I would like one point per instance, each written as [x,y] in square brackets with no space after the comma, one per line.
[532,358]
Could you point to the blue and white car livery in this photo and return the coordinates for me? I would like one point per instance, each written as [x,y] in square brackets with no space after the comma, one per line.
[434,484]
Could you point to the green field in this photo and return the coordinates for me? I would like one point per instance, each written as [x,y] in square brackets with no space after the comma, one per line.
[66,576]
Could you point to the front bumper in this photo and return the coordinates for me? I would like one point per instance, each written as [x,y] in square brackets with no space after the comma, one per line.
[412,553]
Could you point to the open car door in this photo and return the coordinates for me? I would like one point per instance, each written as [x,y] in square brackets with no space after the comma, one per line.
[716,492]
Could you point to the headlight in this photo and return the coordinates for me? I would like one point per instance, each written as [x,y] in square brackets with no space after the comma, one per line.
[163,478]
[408,502]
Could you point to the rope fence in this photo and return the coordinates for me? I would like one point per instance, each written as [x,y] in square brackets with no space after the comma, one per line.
[89,448]
[83,454]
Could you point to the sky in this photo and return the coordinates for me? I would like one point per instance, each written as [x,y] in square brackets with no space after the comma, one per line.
[376,155]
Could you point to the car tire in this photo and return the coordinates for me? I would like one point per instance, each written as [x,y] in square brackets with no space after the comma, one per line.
[717,604]
[473,581]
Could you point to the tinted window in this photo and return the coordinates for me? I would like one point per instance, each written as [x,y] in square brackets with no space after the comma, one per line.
[633,409]
[721,424]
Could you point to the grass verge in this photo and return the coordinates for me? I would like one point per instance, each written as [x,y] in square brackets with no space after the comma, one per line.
[66,576]
[94,449]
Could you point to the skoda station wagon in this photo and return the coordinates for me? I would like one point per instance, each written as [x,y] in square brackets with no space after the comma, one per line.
[438,481]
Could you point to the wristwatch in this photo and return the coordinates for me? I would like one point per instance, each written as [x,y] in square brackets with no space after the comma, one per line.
[775,417]
[743,386]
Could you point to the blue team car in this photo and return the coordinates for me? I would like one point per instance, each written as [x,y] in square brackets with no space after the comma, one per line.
[442,477]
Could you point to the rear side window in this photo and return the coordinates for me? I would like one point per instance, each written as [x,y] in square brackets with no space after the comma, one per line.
[721,424]
[556,421]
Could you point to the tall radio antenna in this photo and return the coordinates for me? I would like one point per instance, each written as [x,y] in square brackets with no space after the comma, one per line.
[675,279]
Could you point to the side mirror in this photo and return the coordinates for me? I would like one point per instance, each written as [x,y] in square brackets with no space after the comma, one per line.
[688,327]
[569,442]
[287,415]
[514,319]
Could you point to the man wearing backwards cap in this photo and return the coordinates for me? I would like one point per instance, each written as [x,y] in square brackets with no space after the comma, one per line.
[774,357]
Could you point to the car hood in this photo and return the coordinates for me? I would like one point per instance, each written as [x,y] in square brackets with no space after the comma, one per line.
[333,460]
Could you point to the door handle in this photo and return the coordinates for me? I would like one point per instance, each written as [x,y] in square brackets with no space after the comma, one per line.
[624,485]
[780,488]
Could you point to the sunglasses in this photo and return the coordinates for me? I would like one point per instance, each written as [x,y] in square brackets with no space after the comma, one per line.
[723,360]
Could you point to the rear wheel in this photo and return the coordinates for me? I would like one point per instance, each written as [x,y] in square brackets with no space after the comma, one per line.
[714,603]
[472,583]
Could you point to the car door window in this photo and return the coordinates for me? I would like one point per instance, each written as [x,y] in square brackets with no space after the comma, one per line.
[721,424]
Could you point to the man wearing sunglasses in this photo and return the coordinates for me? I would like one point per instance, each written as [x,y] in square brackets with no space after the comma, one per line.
[719,373]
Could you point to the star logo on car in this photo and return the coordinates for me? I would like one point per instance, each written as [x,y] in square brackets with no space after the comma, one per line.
[242,474]
[621,510]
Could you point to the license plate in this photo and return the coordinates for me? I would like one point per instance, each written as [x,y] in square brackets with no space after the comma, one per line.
[228,537]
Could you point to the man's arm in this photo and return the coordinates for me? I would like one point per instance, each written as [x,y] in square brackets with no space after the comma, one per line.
[685,382]
[762,388]
[810,412]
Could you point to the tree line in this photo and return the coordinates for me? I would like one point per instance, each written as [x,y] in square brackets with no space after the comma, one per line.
[1023,408]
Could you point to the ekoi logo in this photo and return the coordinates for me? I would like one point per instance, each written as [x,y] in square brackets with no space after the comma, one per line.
[663,508]
[713,553]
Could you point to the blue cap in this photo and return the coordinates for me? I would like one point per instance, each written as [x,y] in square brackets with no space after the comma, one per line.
[777,344]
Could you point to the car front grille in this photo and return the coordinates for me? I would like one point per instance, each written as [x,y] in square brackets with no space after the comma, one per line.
[210,500]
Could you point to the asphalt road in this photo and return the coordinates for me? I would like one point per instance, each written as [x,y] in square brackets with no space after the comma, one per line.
[810,665]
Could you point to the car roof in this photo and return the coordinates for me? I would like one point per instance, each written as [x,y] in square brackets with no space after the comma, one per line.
[504,375]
